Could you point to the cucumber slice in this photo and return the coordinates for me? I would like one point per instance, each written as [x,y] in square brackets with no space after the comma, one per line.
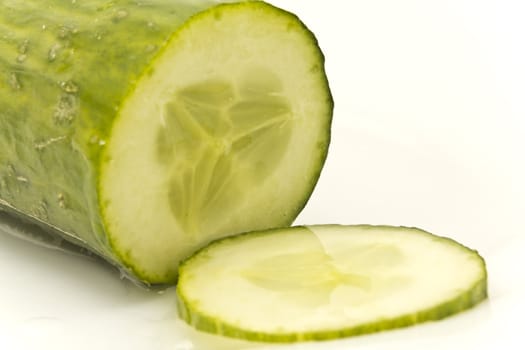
[144,130]
[327,281]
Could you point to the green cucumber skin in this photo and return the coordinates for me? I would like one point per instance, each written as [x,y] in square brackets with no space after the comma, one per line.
[441,311]
[65,68]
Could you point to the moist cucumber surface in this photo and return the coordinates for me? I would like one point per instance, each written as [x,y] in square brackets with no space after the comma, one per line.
[327,281]
[144,130]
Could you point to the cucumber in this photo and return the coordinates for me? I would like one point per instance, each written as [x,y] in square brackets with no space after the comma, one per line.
[327,281]
[143,130]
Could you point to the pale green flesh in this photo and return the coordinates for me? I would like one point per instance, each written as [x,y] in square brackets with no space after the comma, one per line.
[323,282]
[227,133]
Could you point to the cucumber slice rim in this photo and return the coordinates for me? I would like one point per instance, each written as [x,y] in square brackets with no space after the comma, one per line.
[477,292]
[322,146]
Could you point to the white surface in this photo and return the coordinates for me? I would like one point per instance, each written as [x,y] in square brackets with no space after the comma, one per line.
[428,131]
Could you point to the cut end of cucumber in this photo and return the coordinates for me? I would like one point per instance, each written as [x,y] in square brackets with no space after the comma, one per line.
[226,132]
[324,282]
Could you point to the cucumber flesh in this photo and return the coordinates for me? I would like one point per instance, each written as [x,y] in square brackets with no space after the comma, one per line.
[327,281]
[226,134]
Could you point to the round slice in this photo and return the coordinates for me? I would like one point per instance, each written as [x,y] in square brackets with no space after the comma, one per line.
[328,281]
[226,133]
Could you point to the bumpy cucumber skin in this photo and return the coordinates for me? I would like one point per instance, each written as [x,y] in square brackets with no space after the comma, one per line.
[478,292]
[65,69]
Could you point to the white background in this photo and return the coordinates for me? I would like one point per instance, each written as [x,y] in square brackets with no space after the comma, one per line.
[428,131]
